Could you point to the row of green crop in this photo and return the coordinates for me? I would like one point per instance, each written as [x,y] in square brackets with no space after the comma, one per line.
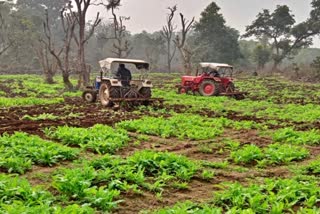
[98,183]
[33,85]
[109,176]
[280,91]
[99,138]
[270,196]
[289,135]
[260,109]
[22,101]
[272,154]
[185,126]
[18,196]
[20,151]
[31,90]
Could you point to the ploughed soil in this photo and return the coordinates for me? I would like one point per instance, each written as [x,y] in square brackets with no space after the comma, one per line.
[73,112]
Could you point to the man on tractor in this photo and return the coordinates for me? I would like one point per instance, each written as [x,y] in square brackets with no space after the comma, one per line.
[214,73]
[124,75]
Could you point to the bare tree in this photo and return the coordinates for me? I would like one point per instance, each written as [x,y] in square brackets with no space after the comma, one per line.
[121,45]
[180,42]
[68,22]
[5,41]
[167,33]
[82,38]
[47,62]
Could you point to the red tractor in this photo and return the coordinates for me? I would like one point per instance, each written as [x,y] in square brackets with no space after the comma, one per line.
[215,79]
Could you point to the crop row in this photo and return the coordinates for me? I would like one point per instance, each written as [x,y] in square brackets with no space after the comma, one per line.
[289,135]
[272,154]
[270,196]
[268,88]
[99,182]
[260,109]
[20,151]
[184,126]
[18,196]
[99,138]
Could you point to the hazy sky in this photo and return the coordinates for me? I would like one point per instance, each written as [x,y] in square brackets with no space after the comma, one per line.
[150,15]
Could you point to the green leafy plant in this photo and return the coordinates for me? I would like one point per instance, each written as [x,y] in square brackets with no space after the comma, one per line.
[274,153]
[289,135]
[272,196]
[207,174]
[247,154]
[17,194]
[99,138]
[21,150]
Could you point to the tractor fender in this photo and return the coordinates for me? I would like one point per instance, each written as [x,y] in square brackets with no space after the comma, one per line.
[146,84]
[115,82]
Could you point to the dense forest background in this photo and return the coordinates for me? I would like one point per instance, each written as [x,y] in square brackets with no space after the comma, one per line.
[53,37]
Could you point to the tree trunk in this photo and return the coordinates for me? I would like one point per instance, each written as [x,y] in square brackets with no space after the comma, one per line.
[169,57]
[49,77]
[275,67]
[67,83]
[83,77]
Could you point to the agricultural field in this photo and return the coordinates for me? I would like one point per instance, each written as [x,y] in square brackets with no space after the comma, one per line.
[191,154]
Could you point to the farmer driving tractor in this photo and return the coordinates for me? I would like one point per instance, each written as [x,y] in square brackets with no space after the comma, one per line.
[124,75]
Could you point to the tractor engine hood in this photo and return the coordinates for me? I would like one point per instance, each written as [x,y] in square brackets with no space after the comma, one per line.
[188,78]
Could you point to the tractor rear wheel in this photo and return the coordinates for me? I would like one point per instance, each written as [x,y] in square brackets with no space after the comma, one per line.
[209,88]
[104,95]
[89,96]
[146,92]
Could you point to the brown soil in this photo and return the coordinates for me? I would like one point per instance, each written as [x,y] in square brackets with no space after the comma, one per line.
[84,115]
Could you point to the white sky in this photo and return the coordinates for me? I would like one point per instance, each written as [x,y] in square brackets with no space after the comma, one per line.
[150,15]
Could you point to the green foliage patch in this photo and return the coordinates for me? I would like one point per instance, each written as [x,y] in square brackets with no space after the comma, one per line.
[272,196]
[99,138]
[184,126]
[289,135]
[100,182]
[18,196]
[274,153]
[20,150]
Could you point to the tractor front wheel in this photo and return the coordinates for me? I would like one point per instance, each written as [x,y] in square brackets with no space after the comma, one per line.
[184,90]
[89,96]
[209,88]
[104,95]
[145,92]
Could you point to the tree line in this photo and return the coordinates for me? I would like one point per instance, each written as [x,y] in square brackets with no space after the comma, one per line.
[56,36]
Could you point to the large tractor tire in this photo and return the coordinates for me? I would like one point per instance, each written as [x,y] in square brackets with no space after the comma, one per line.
[145,92]
[89,96]
[209,88]
[105,95]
